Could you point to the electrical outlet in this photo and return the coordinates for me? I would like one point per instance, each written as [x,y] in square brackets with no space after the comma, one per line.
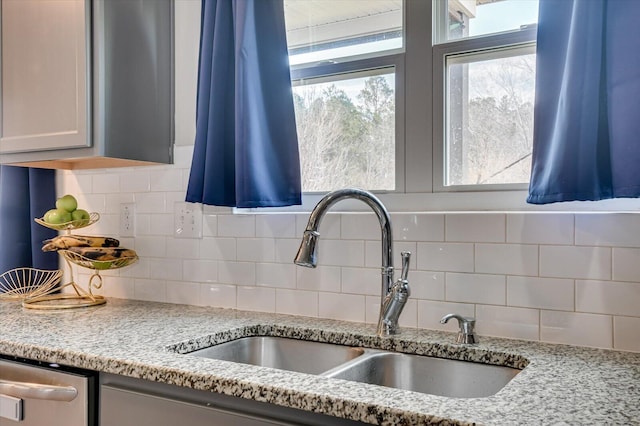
[187,220]
[127,220]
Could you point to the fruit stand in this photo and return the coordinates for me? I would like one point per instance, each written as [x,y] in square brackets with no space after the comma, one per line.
[95,253]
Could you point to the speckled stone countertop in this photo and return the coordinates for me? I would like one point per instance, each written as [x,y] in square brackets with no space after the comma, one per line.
[560,384]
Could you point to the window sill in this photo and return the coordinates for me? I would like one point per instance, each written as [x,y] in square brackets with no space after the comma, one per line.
[492,201]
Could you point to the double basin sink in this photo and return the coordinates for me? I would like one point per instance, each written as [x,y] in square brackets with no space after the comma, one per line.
[436,376]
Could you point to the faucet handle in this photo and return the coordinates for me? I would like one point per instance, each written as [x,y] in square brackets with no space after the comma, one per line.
[466,333]
[406,257]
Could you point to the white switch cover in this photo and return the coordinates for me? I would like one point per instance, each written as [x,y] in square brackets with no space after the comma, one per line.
[187,220]
[127,220]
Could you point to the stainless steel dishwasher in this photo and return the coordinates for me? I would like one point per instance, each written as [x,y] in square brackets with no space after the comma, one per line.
[37,394]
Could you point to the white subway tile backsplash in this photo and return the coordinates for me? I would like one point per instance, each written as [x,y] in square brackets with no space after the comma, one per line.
[183,248]
[256,299]
[209,225]
[360,226]
[119,287]
[113,201]
[504,321]
[361,281]
[418,227]
[165,269]
[541,228]
[218,248]
[151,202]
[626,266]
[322,278]
[286,250]
[76,183]
[236,226]
[427,285]
[542,293]
[372,309]
[109,224]
[203,271]
[135,181]
[557,277]
[346,307]
[276,275]
[409,316]
[510,259]
[341,252]
[276,226]
[456,257]
[165,179]
[150,246]
[475,288]
[430,312]
[142,225]
[466,227]
[297,302]
[239,273]
[150,290]
[159,224]
[92,202]
[611,229]
[373,254]
[183,293]
[575,262]
[576,329]
[105,183]
[172,198]
[608,297]
[140,269]
[625,333]
[256,249]
[218,295]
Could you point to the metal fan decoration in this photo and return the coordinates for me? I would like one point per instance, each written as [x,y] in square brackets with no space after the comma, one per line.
[22,283]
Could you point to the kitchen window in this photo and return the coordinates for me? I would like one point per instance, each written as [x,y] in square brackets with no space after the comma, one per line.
[413,96]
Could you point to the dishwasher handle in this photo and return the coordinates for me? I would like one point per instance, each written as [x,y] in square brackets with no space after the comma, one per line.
[38,391]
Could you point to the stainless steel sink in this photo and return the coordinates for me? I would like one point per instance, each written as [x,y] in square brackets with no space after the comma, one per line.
[286,354]
[436,376]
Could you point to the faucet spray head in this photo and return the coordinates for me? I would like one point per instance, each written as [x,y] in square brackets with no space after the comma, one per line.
[307,255]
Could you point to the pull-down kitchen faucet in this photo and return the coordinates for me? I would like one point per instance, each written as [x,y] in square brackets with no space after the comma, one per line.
[393,296]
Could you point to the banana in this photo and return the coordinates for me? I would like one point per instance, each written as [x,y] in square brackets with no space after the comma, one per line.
[103,254]
[63,242]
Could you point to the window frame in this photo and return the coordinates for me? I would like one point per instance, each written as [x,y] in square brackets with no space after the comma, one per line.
[392,58]
[420,126]
[489,46]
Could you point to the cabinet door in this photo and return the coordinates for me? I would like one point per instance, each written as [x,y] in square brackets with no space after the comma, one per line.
[43,75]
[121,407]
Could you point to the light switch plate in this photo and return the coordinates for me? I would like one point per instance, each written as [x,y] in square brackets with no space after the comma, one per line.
[187,220]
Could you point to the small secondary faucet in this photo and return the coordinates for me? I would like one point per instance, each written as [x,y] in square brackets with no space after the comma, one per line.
[393,295]
[466,334]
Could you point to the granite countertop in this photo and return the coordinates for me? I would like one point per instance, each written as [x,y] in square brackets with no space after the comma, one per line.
[560,384]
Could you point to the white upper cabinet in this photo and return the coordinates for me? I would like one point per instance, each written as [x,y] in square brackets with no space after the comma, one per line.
[44,73]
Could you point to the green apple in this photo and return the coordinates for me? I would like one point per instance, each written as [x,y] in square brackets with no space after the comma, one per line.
[67,202]
[81,217]
[46,215]
[57,216]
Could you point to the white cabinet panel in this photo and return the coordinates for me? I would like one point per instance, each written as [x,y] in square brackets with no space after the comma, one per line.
[43,75]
